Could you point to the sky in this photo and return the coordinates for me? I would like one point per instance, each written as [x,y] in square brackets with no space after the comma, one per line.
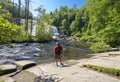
[51,5]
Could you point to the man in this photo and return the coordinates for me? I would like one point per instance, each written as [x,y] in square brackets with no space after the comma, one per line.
[57,53]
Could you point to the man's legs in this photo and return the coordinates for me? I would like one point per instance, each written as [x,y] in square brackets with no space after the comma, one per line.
[56,61]
[60,60]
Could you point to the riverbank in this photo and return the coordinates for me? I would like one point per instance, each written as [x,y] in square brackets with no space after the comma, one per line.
[72,71]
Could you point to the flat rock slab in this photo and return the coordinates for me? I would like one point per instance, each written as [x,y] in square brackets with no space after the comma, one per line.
[7,79]
[36,70]
[75,73]
[33,74]
[114,53]
[24,76]
[109,62]
[25,64]
[8,68]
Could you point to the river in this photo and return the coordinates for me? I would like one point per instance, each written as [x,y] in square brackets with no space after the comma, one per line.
[42,52]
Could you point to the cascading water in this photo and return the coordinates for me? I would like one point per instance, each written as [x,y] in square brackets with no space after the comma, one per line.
[55,33]
[34,28]
[41,52]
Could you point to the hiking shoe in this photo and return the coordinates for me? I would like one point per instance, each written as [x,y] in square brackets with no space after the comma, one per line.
[61,63]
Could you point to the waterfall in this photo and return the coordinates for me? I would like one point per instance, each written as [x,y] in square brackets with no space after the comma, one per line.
[34,28]
[55,33]
[32,23]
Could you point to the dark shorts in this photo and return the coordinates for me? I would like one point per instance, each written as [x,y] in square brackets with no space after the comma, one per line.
[57,56]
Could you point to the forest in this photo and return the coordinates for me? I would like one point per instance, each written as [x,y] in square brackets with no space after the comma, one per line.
[98,21]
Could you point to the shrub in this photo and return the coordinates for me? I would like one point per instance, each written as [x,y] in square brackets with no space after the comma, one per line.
[100,47]
[11,32]
[43,33]
[77,35]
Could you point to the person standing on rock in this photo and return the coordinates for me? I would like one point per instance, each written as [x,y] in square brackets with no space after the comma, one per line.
[57,53]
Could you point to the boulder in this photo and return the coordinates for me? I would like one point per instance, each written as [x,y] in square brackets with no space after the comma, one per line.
[8,68]
[24,64]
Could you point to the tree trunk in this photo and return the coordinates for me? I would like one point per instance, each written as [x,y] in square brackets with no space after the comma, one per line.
[19,9]
[26,14]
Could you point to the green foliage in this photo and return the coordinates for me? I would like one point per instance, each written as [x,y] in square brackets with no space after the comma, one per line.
[77,36]
[10,32]
[80,44]
[10,11]
[63,18]
[100,47]
[6,6]
[104,20]
[111,71]
[72,27]
[0,6]
[98,21]
[43,33]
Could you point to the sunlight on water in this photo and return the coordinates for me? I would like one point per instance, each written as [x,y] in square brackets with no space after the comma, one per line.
[41,52]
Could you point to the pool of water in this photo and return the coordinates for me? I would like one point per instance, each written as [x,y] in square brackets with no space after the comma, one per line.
[72,52]
[42,52]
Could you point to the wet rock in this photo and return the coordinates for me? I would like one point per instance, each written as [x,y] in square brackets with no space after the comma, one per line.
[37,55]
[22,58]
[25,64]
[8,68]
[40,54]
[6,61]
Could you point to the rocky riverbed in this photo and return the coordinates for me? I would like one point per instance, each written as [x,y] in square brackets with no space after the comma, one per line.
[72,71]
[38,52]
[15,52]
[22,55]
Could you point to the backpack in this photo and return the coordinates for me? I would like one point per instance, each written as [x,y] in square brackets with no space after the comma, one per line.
[58,51]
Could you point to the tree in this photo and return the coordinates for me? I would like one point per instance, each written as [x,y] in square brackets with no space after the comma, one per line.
[26,14]
[6,7]
[19,9]
[10,32]
[41,11]
[104,20]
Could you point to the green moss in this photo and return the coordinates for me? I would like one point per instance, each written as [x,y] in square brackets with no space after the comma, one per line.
[110,71]
[3,72]
[2,81]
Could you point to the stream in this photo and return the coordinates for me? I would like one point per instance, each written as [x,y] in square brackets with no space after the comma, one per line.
[41,52]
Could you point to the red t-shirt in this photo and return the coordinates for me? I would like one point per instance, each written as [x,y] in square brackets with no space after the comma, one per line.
[57,48]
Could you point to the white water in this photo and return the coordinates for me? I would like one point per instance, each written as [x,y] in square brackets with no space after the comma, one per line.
[54,31]
[34,27]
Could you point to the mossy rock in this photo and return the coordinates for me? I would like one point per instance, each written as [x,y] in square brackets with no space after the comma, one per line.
[8,68]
